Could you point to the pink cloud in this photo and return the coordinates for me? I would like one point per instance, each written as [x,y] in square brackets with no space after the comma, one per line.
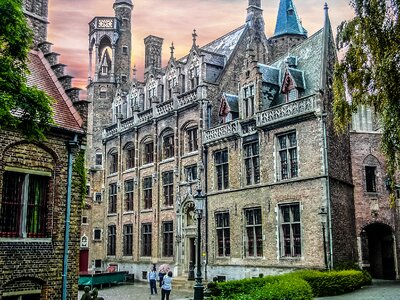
[173,20]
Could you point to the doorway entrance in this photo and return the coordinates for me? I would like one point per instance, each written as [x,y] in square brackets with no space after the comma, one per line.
[83,260]
[377,250]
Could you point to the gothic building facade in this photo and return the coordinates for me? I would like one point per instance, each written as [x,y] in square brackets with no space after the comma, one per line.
[245,118]
[40,200]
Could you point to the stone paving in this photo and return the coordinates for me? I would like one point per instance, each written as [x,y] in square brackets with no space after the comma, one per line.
[379,290]
[139,291]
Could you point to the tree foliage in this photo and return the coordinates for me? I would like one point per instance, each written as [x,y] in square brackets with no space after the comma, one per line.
[21,107]
[370,71]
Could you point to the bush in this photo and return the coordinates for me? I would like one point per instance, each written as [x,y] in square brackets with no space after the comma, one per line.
[334,282]
[272,288]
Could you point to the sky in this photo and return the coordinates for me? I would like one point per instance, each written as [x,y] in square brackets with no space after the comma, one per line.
[173,20]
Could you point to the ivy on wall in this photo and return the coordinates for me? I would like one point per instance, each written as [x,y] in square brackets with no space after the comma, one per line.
[80,170]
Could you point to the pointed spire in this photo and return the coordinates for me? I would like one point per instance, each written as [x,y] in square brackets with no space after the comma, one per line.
[172,49]
[288,21]
[194,35]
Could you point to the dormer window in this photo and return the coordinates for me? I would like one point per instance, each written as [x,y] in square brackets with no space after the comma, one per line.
[194,75]
[104,70]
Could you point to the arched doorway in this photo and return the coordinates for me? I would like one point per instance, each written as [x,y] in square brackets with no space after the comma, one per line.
[377,251]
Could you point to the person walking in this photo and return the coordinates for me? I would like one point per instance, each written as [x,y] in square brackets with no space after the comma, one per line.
[152,278]
[166,286]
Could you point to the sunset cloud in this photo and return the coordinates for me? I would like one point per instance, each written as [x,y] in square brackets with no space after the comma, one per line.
[173,20]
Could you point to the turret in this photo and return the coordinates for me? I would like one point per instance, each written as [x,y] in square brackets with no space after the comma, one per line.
[289,31]
[36,13]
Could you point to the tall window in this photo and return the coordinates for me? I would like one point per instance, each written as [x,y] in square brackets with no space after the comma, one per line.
[113,162]
[168,239]
[370,179]
[191,134]
[253,232]
[222,169]
[99,159]
[148,153]
[223,233]
[147,192]
[146,239]
[191,173]
[129,157]
[248,101]
[290,233]
[168,187]
[23,207]
[288,165]
[112,199]
[128,239]
[112,237]
[168,146]
[128,195]
[252,163]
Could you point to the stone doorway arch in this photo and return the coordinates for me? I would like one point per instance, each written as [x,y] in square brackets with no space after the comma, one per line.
[377,245]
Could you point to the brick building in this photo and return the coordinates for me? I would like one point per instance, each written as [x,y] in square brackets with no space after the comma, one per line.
[246,118]
[37,195]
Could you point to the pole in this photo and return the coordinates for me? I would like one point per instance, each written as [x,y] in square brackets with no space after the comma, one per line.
[198,287]
[324,237]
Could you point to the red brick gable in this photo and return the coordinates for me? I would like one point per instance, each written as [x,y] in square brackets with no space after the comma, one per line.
[42,76]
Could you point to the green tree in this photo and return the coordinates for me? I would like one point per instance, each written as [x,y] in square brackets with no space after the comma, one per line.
[369,73]
[21,107]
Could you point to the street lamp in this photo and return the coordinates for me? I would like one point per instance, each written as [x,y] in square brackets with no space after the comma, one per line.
[322,214]
[199,200]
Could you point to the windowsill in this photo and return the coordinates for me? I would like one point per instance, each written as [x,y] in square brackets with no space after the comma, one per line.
[129,170]
[167,208]
[130,212]
[111,214]
[97,241]
[167,160]
[223,257]
[112,175]
[189,154]
[25,240]
[147,210]
[254,257]
[287,180]
[84,224]
[371,194]
[145,166]
[290,258]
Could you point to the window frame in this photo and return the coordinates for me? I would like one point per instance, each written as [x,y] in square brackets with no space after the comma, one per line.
[251,160]
[147,192]
[191,173]
[168,238]
[222,228]
[168,147]
[100,234]
[113,164]
[370,179]
[288,167]
[168,188]
[112,198]
[128,240]
[129,157]
[148,152]
[112,240]
[146,241]
[253,246]
[288,245]
[222,169]
[24,210]
[129,186]
[192,139]
[248,101]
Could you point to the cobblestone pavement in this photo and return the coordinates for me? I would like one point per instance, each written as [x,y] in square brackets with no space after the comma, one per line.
[380,289]
[139,291]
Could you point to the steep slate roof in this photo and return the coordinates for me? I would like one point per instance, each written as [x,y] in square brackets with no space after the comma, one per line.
[288,21]
[270,74]
[232,101]
[310,60]
[42,76]
[225,44]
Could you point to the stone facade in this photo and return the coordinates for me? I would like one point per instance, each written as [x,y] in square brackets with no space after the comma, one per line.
[246,119]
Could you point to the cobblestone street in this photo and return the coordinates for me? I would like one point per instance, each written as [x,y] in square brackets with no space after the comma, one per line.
[379,290]
[139,291]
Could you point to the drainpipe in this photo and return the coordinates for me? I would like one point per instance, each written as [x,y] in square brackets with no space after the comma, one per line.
[71,145]
[328,195]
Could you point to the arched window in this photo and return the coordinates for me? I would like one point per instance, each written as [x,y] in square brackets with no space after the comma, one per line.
[168,147]
[113,161]
[147,151]
[129,156]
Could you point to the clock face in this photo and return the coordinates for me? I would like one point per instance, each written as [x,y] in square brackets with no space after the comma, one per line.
[105,23]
